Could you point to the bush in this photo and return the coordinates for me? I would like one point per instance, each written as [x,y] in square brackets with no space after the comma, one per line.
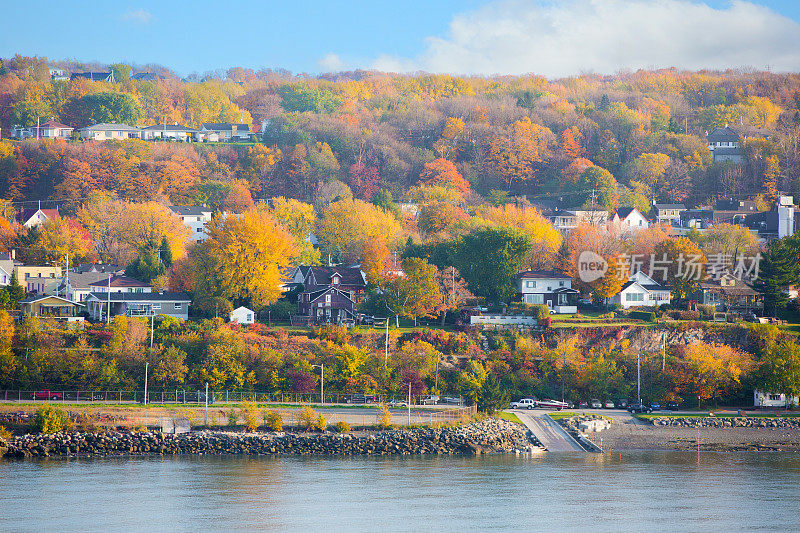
[273,420]
[342,427]
[6,434]
[51,419]
[249,414]
[321,422]
[616,307]
[685,315]
[307,418]
[707,310]
[233,417]
[384,417]
[546,321]
[541,311]
[647,316]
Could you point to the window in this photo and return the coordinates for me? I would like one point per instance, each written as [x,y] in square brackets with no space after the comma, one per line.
[335,280]
[156,306]
[327,298]
[534,298]
[560,283]
[249,317]
[775,397]
[198,219]
[199,230]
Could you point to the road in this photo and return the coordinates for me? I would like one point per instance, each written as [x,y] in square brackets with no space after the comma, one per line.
[549,433]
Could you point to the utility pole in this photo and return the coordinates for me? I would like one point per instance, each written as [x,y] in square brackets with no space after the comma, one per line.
[638,379]
[321,382]
[146,363]
[386,348]
[205,416]
[108,305]
[37,127]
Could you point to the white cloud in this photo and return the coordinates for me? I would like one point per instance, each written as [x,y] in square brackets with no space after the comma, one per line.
[138,16]
[332,63]
[576,36]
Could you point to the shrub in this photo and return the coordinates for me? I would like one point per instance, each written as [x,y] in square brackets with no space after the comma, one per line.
[51,419]
[541,311]
[342,427]
[321,422]
[6,434]
[249,414]
[707,310]
[233,417]
[648,316]
[307,418]
[545,322]
[273,420]
[384,417]
[616,307]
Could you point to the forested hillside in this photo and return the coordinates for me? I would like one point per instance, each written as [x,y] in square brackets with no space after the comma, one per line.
[632,138]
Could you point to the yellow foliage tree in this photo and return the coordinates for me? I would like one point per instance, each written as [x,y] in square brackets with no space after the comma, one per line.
[345,226]
[250,252]
[545,238]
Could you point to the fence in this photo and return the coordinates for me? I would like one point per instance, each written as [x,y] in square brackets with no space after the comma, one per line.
[181,396]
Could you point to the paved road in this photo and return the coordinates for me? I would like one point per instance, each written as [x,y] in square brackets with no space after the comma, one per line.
[549,433]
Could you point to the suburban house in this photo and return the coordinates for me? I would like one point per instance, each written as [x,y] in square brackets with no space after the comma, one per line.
[105,268]
[35,217]
[330,293]
[78,283]
[723,143]
[107,132]
[39,279]
[641,291]
[730,294]
[138,304]
[668,213]
[120,284]
[94,76]
[570,219]
[54,130]
[49,306]
[58,74]
[174,132]
[629,219]
[326,305]
[242,315]
[549,288]
[195,217]
[8,263]
[772,400]
[697,218]
[779,222]
[226,132]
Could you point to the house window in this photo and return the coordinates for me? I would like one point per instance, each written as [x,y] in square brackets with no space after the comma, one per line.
[531,284]
[560,283]
[534,298]
[156,306]
[249,317]
[198,219]
[335,280]
[199,230]
[177,305]
[775,397]
[327,298]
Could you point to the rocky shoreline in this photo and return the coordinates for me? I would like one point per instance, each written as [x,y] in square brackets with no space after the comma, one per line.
[486,436]
[726,422]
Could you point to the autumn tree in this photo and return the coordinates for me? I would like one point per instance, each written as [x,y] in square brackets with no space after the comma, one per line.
[374,259]
[364,180]
[779,371]
[444,173]
[711,370]
[298,219]
[680,263]
[345,225]
[414,294]
[250,253]
[570,143]
[544,238]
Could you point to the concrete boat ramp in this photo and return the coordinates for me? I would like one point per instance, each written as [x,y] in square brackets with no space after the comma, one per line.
[550,434]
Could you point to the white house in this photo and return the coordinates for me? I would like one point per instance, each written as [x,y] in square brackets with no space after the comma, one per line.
[629,219]
[119,284]
[226,132]
[36,217]
[723,143]
[143,304]
[641,291]
[668,213]
[107,132]
[242,315]
[7,264]
[195,218]
[769,399]
[549,288]
[174,132]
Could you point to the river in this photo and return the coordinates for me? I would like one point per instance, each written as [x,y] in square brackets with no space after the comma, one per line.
[635,491]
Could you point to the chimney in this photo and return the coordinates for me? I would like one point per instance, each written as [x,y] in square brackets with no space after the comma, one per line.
[13,253]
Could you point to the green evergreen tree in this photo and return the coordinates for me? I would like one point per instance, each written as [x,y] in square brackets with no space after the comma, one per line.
[165,252]
[15,291]
[777,270]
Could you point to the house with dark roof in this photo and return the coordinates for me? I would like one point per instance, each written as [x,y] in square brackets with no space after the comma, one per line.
[98,267]
[628,220]
[172,132]
[142,304]
[327,305]
[194,217]
[550,288]
[330,293]
[731,295]
[723,143]
[94,76]
[642,291]
[668,213]
[120,284]
[107,132]
[36,217]
[225,131]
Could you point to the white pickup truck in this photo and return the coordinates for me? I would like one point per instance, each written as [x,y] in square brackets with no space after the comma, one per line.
[525,403]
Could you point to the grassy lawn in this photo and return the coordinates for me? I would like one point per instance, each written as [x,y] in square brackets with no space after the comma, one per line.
[561,414]
[511,417]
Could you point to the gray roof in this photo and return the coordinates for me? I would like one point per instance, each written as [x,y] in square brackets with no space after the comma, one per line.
[670,206]
[110,127]
[224,126]
[169,127]
[142,296]
[85,279]
[542,274]
[723,134]
[147,76]
[189,209]
[97,267]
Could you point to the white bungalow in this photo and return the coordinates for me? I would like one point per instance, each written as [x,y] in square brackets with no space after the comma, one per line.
[242,315]
[642,291]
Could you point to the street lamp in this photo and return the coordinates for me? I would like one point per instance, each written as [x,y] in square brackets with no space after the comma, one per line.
[321,383]
[409,399]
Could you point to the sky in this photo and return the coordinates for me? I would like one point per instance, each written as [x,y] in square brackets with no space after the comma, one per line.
[553,38]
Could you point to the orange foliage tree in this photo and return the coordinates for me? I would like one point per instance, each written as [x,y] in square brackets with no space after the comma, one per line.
[443,172]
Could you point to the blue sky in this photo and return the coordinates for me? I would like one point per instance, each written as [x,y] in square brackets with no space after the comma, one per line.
[460,36]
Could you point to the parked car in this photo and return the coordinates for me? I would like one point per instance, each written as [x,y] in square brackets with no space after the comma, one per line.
[524,403]
[654,406]
[359,398]
[595,403]
[552,404]
[671,406]
[396,403]
[583,405]
[47,395]
[585,301]
[637,407]
[609,404]
[429,400]
[621,403]
[453,400]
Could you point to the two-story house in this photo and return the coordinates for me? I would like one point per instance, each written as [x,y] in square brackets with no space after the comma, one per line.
[330,293]
[629,220]
[723,143]
[668,213]
[36,217]
[194,217]
[549,288]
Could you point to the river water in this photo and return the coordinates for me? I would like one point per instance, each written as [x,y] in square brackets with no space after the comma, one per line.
[637,491]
